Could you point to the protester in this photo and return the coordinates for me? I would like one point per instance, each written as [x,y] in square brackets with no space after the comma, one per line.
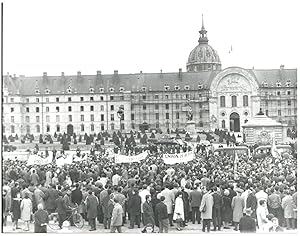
[179,215]
[287,206]
[116,219]
[237,205]
[247,223]
[41,219]
[195,199]
[16,210]
[148,211]
[26,211]
[217,206]
[91,205]
[262,215]
[275,226]
[206,209]
[134,209]
[162,215]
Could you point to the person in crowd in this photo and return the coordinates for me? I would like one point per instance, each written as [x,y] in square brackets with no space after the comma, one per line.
[275,226]
[117,218]
[274,203]
[50,197]
[134,209]
[76,195]
[195,199]
[294,219]
[91,205]
[217,207]
[148,211]
[26,211]
[179,215]
[237,205]
[6,205]
[287,206]
[206,209]
[16,210]
[261,214]
[143,195]
[226,209]
[61,209]
[41,219]
[162,215]
[247,224]
[251,202]
[169,201]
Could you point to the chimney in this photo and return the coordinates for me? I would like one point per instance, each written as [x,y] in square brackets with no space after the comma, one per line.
[78,73]
[115,72]
[62,73]
[281,67]
[98,72]
[45,74]
[180,73]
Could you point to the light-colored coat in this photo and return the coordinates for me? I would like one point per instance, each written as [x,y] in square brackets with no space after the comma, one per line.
[116,219]
[261,214]
[287,206]
[39,197]
[26,209]
[207,202]
[179,209]
[169,199]
[237,206]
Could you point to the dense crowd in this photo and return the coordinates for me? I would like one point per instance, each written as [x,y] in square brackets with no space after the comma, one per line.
[221,190]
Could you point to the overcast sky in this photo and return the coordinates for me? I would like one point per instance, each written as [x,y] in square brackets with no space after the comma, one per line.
[135,35]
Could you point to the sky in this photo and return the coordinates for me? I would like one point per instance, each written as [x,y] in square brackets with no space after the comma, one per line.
[142,35]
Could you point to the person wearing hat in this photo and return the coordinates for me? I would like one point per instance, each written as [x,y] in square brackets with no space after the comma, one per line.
[226,209]
[247,223]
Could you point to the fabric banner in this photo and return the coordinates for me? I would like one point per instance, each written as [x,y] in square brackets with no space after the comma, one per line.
[130,159]
[38,160]
[178,158]
[64,159]
[20,156]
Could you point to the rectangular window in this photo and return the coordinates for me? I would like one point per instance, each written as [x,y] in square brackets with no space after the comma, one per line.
[157,116]
[27,100]
[69,99]
[156,96]
[156,106]
[112,117]
[92,127]
[177,106]
[81,108]
[91,98]
[12,119]
[102,117]
[11,109]
[167,96]
[27,119]
[58,128]
[57,118]
[112,107]
[81,99]
[144,107]
[101,108]
[69,108]
[279,112]
[278,93]
[102,127]
[82,128]
[233,101]
[37,109]
[167,116]
[289,112]
[70,118]
[132,116]
[167,106]
[187,96]
[37,119]
[101,98]
[92,117]
[48,119]
[144,116]
[245,100]
[12,99]
[47,100]
[288,92]
[92,108]
[57,99]
[289,102]
[122,98]
[81,117]
[111,98]
[144,97]
[267,113]
[222,101]
[57,109]
[279,103]
[177,115]
[47,109]
[37,100]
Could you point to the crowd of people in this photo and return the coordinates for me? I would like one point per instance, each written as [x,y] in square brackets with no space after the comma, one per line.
[217,191]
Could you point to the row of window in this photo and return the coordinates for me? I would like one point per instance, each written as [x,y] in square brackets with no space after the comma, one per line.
[278,93]
[234,101]
[278,84]
[289,103]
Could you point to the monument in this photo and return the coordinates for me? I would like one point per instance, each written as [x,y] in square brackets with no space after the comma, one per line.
[190,124]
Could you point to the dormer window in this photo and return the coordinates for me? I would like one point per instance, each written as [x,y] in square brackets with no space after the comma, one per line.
[288,83]
[200,86]
[101,90]
[278,84]
[69,90]
[37,91]
[144,89]
[167,87]
[265,84]
[47,91]
[176,88]
[111,90]
[121,89]
[92,90]
[186,87]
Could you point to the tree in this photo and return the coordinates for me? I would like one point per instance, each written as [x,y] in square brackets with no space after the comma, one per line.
[198,139]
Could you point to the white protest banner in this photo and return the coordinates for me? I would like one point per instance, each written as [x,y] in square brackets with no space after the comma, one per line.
[38,160]
[64,159]
[130,159]
[178,158]
[20,156]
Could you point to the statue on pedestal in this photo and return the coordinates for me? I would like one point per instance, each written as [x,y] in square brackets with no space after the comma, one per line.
[189,113]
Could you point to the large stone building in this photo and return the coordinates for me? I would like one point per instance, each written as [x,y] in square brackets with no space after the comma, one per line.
[224,99]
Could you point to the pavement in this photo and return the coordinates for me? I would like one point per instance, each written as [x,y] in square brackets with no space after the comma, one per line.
[190,229]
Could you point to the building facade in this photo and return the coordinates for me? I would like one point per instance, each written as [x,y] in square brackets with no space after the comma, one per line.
[224,99]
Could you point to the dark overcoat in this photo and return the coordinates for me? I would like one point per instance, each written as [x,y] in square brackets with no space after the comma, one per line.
[148,213]
[91,206]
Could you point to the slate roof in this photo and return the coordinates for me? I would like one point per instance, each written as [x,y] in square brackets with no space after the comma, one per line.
[134,82]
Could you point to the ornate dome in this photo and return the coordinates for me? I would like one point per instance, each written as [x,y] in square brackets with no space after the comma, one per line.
[203,57]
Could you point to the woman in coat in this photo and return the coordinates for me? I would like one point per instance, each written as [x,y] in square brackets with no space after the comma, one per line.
[238,204]
[226,210]
[26,211]
[16,210]
[178,216]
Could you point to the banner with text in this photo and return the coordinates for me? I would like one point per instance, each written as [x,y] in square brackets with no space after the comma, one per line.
[38,160]
[130,159]
[178,158]
[66,159]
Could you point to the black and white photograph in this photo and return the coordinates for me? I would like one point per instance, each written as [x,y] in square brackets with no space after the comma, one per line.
[136,116]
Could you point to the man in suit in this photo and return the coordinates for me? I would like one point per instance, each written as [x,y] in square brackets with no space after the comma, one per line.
[217,206]
[162,215]
[40,219]
[92,206]
[195,199]
[247,223]
[134,209]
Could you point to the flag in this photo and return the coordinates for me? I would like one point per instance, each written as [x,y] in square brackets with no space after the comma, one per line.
[274,150]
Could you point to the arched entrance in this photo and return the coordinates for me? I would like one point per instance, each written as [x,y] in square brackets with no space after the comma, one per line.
[70,129]
[234,122]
